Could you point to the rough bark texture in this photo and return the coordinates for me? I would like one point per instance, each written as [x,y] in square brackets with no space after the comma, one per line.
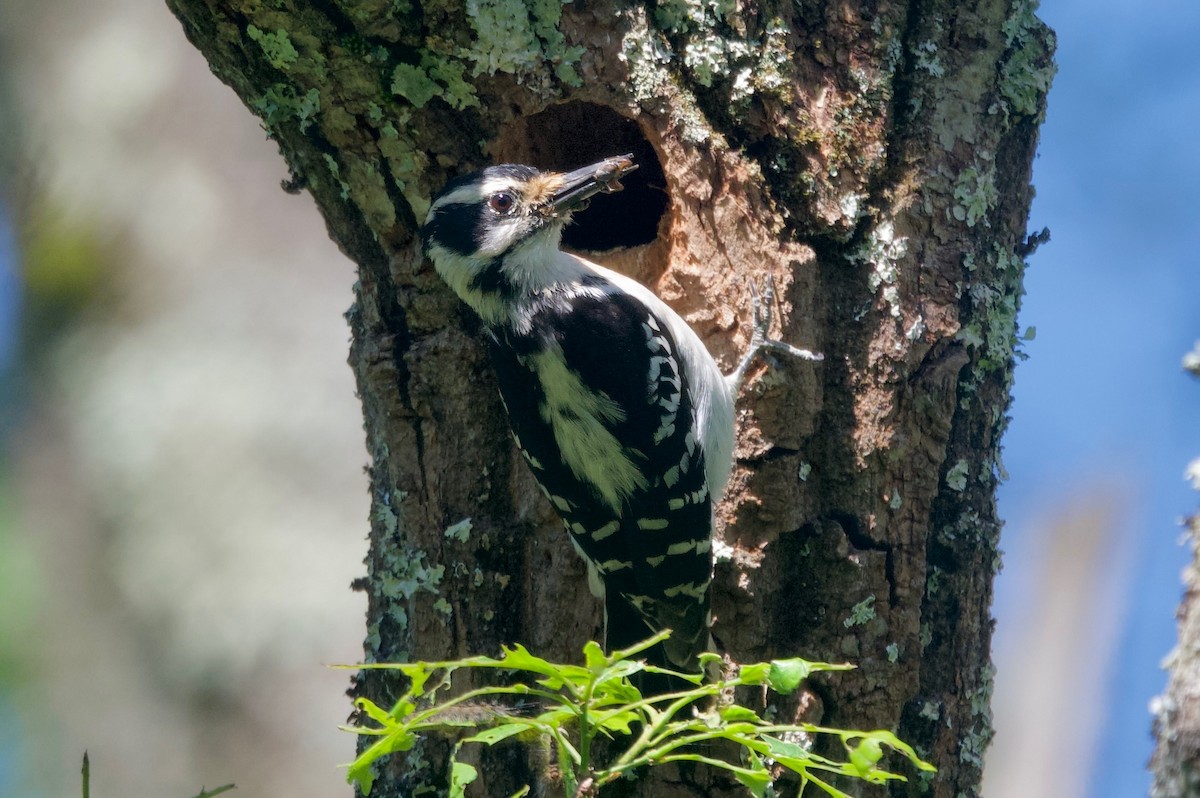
[1176,761]
[874,157]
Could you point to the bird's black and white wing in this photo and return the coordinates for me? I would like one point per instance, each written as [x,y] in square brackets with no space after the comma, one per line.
[602,400]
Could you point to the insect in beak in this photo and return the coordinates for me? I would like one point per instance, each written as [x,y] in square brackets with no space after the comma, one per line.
[577,187]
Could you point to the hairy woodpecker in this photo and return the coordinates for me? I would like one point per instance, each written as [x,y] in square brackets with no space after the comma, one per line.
[621,413]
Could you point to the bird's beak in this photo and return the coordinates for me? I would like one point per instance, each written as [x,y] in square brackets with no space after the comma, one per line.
[575,188]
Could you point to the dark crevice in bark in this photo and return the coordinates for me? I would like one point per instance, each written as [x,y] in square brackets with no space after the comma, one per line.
[334,15]
[852,528]
[770,455]
[900,111]
[404,212]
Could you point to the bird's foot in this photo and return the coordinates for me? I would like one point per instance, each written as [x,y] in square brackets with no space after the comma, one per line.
[761,308]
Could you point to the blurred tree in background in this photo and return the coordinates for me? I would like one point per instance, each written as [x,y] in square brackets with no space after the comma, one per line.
[1176,762]
[182,483]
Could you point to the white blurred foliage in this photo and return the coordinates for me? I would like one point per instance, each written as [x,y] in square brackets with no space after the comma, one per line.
[194,471]
[1191,361]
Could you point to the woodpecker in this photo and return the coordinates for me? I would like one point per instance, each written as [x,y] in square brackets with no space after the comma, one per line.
[623,416]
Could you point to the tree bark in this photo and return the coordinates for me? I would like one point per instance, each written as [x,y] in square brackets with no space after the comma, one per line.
[1176,761]
[873,157]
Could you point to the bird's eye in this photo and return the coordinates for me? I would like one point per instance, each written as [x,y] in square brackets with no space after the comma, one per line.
[502,202]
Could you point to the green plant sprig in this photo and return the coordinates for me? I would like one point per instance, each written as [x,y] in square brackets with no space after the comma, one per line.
[580,703]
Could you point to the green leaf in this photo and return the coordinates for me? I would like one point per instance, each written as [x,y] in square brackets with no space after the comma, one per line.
[892,741]
[615,707]
[461,774]
[387,745]
[360,770]
[519,658]
[756,783]
[778,747]
[795,758]
[638,648]
[374,712]
[613,686]
[619,722]
[828,788]
[497,733]
[593,655]
[695,678]
[785,675]
[734,712]
[865,755]
[418,674]
[754,674]
[558,716]
[755,776]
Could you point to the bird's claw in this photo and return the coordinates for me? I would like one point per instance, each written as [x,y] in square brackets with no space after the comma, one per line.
[761,311]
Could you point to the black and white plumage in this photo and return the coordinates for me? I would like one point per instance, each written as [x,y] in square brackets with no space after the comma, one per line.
[623,416]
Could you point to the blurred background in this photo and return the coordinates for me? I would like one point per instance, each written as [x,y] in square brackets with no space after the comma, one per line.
[182,500]
[182,504]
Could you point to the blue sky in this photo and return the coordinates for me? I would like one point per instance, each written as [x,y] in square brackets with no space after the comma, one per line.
[1115,298]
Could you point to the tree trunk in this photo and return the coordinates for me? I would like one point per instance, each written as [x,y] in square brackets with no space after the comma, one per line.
[874,157]
[1176,760]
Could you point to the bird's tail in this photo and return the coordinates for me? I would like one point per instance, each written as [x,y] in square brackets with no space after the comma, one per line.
[625,627]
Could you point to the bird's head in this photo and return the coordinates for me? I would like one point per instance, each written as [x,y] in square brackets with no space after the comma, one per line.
[498,230]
